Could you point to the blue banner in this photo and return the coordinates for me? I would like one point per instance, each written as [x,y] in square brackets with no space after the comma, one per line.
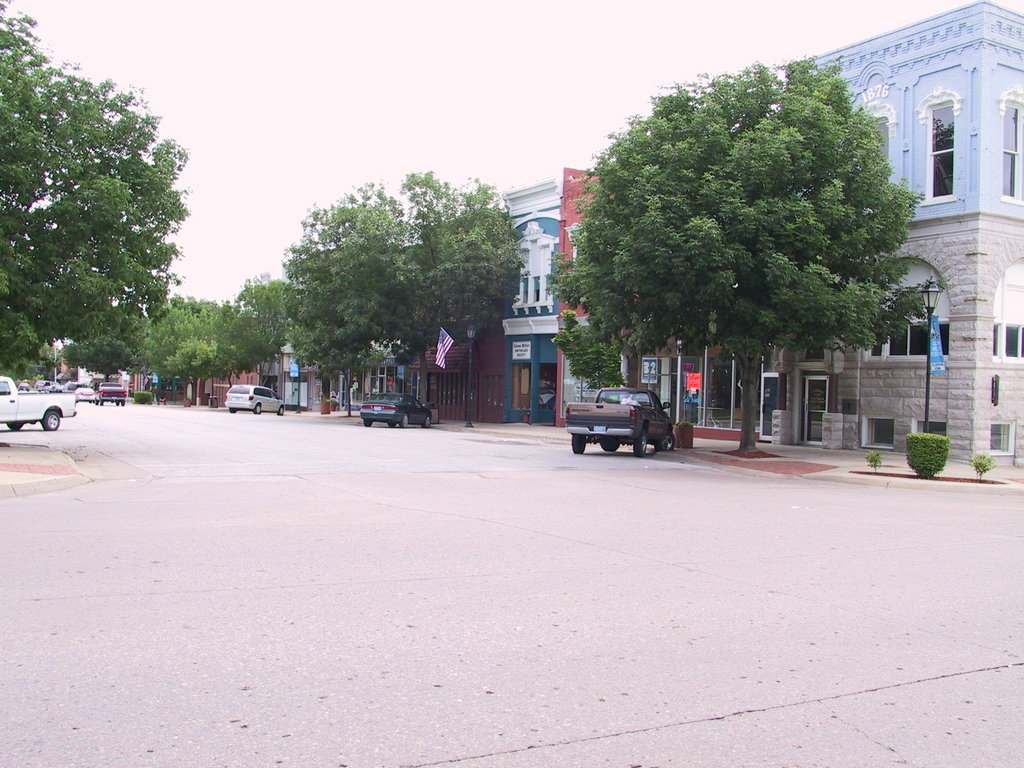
[935,357]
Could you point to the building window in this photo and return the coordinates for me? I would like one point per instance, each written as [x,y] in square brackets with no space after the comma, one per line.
[881,433]
[934,427]
[521,386]
[1011,152]
[940,167]
[1007,341]
[883,131]
[1008,329]
[913,342]
[536,290]
[1001,438]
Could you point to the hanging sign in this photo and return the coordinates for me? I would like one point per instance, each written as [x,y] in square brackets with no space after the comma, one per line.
[693,381]
[937,361]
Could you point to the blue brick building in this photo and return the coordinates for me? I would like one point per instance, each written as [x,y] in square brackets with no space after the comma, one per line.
[948,94]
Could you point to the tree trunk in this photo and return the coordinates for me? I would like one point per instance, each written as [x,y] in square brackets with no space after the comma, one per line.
[750,384]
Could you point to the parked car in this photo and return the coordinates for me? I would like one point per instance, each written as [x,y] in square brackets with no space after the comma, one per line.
[111,392]
[395,410]
[19,408]
[246,397]
[85,394]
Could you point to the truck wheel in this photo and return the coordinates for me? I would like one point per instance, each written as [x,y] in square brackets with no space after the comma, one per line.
[579,443]
[609,444]
[51,421]
[14,426]
[640,444]
[667,443]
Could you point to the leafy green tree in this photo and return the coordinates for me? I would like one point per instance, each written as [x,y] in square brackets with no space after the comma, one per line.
[597,361]
[182,341]
[87,201]
[265,322]
[105,354]
[747,211]
[374,272]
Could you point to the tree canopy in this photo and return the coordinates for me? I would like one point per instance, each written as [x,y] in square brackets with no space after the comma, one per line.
[597,361]
[748,211]
[87,201]
[106,354]
[375,271]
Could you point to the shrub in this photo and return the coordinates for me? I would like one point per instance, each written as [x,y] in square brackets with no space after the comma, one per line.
[874,460]
[982,463]
[143,398]
[927,453]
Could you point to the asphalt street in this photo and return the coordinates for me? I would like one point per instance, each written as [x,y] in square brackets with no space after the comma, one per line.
[233,590]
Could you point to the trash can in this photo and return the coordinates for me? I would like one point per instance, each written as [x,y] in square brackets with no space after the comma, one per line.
[213,402]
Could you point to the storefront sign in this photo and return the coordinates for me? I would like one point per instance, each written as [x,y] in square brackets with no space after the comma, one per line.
[649,370]
[522,350]
[693,381]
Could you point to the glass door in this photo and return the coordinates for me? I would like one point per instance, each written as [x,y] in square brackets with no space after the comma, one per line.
[769,402]
[815,404]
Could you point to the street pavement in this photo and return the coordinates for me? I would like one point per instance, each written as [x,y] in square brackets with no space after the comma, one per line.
[301,591]
[31,468]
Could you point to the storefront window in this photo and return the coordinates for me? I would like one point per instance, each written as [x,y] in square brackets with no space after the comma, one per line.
[521,386]
[723,394]
[546,391]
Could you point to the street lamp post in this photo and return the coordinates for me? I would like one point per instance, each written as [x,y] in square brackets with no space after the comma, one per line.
[470,334]
[930,293]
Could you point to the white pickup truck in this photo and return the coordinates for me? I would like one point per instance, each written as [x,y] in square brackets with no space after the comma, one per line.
[46,408]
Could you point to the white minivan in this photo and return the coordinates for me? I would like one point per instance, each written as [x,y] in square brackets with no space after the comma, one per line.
[246,397]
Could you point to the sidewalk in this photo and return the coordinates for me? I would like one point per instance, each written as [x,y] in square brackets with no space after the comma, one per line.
[812,462]
[29,469]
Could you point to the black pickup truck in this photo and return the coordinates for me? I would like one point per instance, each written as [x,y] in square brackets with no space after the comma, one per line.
[620,416]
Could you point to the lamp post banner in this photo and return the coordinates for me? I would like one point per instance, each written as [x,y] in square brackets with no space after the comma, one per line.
[937,359]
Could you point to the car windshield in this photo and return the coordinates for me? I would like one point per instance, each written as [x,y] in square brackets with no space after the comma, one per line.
[389,397]
[238,390]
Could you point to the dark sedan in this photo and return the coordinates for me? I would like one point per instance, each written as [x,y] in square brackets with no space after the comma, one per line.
[395,410]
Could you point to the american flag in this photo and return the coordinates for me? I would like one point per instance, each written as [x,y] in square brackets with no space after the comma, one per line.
[444,343]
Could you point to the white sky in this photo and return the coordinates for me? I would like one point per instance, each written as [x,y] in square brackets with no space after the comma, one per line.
[287,106]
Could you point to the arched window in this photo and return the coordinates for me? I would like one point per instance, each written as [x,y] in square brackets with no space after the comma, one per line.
[914,341]
[1008,330]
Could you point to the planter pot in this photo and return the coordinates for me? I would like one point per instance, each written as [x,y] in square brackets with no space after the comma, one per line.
[684,436]
[325,408]
[187,403]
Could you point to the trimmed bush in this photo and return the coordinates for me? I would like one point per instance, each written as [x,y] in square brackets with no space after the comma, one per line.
[874,460]
[982,463]
[927,453]
[143,398]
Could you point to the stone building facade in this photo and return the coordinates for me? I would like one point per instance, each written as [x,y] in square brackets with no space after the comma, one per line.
[948,93]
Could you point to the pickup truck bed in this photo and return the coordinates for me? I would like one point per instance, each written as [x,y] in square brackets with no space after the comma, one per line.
[620,416]
[45,408]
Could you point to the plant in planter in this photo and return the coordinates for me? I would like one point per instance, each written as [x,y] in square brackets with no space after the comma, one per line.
[684,434]
[927,453]
[327,403]
[982,463]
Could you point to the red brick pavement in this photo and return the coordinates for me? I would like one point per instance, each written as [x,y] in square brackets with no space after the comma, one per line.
[40,469]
